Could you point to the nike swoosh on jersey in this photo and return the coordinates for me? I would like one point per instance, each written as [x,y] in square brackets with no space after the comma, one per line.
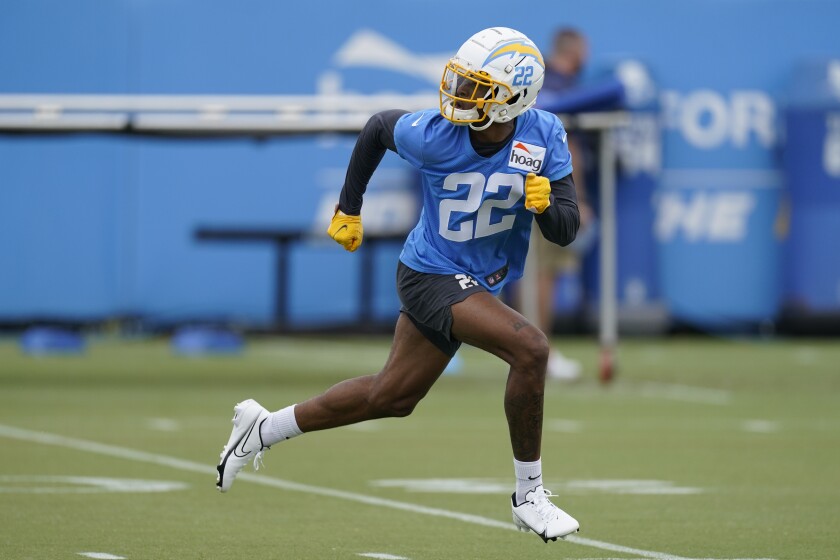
[563,138]
[415,123]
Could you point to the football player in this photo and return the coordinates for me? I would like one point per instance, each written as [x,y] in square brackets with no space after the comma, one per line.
[490,165]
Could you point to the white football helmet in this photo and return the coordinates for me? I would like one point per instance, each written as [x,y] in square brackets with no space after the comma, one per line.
[494,77]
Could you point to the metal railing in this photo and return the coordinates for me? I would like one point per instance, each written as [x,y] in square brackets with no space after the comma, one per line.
[278,115]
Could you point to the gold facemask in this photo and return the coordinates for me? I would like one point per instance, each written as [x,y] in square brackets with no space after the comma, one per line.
[464,90]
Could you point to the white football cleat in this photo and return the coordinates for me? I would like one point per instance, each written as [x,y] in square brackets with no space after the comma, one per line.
[539,515]
[244,444]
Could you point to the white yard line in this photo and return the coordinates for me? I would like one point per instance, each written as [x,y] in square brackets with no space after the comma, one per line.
[685,393]
[163,424]
[191,466]
[562,425]
[381,556]
[101,555]
[760,426]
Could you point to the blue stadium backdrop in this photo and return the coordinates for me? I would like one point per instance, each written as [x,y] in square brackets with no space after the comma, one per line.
[94,226]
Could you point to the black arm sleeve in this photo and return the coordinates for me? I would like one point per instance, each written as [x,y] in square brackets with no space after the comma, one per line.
[376,137]
[559,222]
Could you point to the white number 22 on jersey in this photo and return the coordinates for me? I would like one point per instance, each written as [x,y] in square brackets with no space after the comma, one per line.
[480,226]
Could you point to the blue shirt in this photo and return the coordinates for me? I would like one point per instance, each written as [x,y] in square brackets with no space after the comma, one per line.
[473,220]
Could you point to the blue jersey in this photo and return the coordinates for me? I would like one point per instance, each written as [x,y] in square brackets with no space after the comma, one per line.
[474,220]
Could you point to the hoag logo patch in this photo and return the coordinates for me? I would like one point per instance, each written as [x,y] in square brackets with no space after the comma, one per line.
[526,157]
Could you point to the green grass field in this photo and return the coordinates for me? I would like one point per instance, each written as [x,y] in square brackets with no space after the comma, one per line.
[701,449]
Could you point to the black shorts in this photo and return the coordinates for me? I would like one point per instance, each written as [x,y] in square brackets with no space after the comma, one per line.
[427,300]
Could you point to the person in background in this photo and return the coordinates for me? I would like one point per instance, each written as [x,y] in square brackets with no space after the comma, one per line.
[564,65]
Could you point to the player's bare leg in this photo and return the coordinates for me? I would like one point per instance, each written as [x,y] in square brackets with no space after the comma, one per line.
[413,366]
[483,321]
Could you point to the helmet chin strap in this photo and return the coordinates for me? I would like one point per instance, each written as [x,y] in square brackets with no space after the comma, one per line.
[456,115]
[484,126]
[481,125]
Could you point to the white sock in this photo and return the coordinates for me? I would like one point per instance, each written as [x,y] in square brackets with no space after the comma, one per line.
[528,477]
[279,426]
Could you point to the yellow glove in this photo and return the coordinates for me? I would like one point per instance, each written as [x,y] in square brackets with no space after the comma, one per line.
[537,190]
[346,230]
